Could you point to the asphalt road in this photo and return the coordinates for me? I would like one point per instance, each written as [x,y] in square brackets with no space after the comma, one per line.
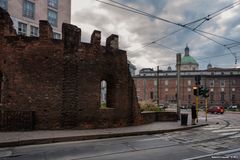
[221,137]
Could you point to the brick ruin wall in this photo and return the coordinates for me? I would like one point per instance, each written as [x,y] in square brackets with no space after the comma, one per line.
[60,80]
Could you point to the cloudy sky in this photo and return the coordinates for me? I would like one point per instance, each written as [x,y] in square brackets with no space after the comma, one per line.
[136,31]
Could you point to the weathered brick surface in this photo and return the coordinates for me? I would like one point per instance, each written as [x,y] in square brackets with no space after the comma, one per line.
[60,80]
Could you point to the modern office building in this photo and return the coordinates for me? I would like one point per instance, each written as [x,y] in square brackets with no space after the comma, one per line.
[223,84]
[26,14]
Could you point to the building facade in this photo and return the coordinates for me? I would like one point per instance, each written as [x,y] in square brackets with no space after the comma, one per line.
[223,84]
[26,14]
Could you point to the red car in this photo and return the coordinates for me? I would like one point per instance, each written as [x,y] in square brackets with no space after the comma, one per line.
[216,109]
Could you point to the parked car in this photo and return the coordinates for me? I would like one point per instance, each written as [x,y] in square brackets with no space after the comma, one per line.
[163,106]
[216,109]
[232,107]
[183,107]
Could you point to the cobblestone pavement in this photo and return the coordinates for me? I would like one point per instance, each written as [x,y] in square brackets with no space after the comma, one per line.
[222,134]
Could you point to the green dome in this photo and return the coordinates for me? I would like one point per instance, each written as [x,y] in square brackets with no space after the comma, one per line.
[188,60]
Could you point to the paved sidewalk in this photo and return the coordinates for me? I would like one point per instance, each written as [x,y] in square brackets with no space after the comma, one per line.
[10,139]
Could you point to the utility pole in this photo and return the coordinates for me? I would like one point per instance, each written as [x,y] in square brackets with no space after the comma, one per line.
[178,84]
[158,86]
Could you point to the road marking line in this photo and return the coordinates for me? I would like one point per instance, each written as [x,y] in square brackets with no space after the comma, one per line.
[214,154]
[210,128]
[149,139]
[5,153]
[227,134]
[235,136]
[225,130]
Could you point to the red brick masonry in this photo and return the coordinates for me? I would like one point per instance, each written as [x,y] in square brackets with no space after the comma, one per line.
[60,80]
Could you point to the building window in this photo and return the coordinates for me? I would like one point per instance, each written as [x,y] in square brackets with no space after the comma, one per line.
[233,99]
[56,35]
[222,83]
[151,95]
[222,97]
[3,4]
[166,89]
[52,17]
[103,93]
[211,97]
[189,83]
[211,83]
[233,82]
[34,31]
[166,82]
[189,99]
[166,98]
[28,9]
[22,28]
[155,82]
[53,3]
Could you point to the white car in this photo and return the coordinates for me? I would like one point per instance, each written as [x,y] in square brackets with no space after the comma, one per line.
[232,107]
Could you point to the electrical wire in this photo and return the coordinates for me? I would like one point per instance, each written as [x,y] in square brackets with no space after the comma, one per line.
[208,17]
[204,19]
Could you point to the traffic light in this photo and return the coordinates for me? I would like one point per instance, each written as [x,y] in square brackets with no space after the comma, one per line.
[206,93]
[201,91]
[195,91]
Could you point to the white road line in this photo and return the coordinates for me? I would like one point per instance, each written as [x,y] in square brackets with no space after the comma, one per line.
[5,153]
[214,154]
[149,139]
[225,130]
[235,136]
[232,127]
[228,133]
[210,128]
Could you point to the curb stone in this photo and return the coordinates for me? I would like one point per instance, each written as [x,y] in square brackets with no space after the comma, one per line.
[90,137]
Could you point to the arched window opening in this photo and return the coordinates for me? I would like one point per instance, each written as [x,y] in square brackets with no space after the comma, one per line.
[103,97]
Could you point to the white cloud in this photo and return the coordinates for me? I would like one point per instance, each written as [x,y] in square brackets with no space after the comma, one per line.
[135,31]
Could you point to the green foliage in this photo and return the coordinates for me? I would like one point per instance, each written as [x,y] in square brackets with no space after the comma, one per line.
[103,105]
[149,106]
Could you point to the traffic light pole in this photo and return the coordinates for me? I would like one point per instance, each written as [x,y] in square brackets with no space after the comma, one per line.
[197,107]
[206,108]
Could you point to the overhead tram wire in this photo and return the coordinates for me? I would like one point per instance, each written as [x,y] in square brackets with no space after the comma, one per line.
[214,14]
[131,9]
[167,47]
[225,9]
[153,42]
[208,17]
[215,42]
[217,36]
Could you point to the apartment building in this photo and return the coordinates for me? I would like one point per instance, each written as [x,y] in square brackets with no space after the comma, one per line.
[27,13]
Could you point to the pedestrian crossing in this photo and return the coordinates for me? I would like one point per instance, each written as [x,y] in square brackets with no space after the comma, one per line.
[220,130]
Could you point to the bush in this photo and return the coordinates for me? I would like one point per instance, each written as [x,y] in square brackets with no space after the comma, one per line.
[103,105]
[149,106]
